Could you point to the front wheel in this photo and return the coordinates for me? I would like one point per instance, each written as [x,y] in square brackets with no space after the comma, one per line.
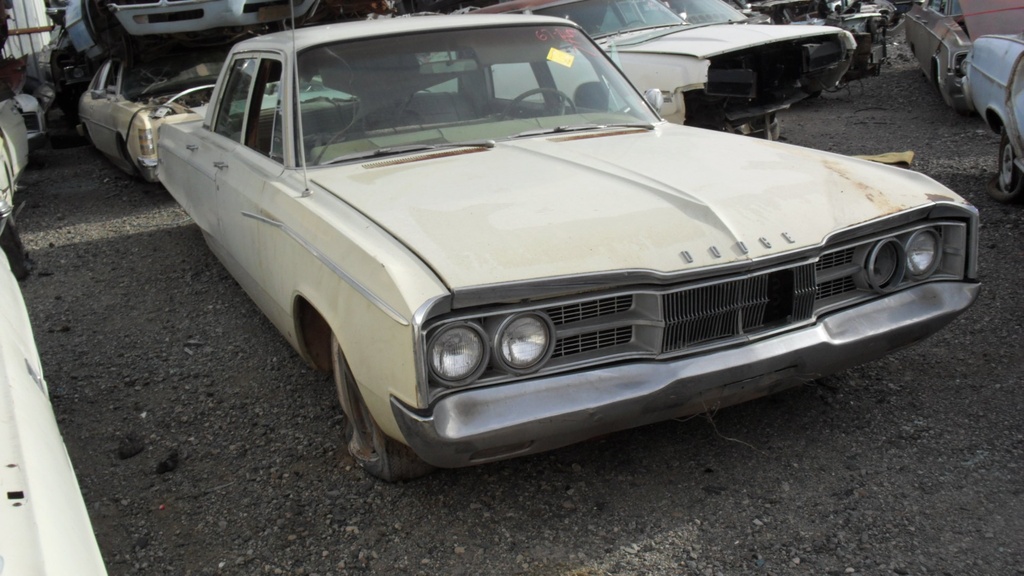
[1009,182]
[379,455]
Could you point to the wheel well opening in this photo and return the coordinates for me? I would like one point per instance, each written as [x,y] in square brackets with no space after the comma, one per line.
[994,121]
[314,334]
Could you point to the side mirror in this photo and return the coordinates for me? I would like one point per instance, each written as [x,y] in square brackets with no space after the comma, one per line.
[97,94]
[654,97]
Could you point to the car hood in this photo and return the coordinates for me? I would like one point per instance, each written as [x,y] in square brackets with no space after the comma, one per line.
[715,39]
[668,200]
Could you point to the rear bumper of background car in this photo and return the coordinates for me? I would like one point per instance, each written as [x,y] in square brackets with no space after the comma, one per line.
[532,416]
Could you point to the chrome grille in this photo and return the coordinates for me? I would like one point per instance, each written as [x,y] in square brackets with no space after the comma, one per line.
[31,122]
[833,259]
[586,310]
[835,287]
[737,307]
[592,341]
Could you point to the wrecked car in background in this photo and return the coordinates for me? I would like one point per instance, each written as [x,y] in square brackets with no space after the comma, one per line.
[715,73]
[46,528]
[125,104]
[994,83]
[939,41]
[471,221]
[871,23]
[940,33]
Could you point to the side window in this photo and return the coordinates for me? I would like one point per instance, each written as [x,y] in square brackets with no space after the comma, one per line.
[231,110]
[112,74]
[100,80]
[263,122]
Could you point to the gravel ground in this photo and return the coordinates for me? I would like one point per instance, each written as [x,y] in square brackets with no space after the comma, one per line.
[204,445]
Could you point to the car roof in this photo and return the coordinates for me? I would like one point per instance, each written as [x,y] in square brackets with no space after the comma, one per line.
[304,38]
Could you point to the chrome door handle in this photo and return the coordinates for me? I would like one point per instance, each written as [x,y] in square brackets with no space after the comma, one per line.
[192,147]
[220,165]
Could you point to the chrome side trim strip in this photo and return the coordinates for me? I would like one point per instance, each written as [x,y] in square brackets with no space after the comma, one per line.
[363,290]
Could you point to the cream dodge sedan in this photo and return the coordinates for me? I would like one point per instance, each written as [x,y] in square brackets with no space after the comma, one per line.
[499,248]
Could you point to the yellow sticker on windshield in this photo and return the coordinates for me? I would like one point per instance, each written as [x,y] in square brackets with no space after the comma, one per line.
[559,57]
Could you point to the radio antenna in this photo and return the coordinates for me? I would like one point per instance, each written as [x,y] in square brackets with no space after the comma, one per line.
[301,146]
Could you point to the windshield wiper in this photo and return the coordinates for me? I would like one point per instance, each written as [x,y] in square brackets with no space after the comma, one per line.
[409,148]
[582,128]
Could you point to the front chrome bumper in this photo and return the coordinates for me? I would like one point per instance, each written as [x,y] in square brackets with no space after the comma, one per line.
[503,421]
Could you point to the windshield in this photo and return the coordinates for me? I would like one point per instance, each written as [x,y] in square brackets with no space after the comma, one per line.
[604,17]
[172,74]
[705,11]
[457,86]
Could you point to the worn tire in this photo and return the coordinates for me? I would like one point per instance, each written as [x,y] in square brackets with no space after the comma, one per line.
[379,455]
[1008,185]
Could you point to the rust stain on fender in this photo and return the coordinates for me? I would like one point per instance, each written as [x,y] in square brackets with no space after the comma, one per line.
[872,194]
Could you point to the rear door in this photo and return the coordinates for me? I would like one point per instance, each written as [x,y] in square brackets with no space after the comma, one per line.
[95,108]
[246,142]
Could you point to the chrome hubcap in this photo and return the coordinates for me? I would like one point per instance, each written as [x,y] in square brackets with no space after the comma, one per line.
[1006,167]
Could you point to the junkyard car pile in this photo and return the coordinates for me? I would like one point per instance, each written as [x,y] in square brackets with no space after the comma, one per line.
[713,71]
[471,221]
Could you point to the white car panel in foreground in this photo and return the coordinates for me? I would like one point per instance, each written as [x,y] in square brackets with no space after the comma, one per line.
[499,248]
[45,526]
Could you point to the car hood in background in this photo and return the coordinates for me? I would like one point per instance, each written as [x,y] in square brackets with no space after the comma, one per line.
[715,39]
[665,201]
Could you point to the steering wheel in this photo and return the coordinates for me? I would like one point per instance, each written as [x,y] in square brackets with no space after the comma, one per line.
[563,98]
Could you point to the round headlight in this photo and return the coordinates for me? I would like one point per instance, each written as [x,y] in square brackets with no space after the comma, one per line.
[922,253]
[457,353]
[523,341]
[885,264]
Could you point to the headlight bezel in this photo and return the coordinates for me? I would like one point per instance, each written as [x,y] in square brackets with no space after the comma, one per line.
[892,279]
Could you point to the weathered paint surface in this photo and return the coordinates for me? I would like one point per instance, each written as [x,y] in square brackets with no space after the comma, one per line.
[46,528]
[614,203]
